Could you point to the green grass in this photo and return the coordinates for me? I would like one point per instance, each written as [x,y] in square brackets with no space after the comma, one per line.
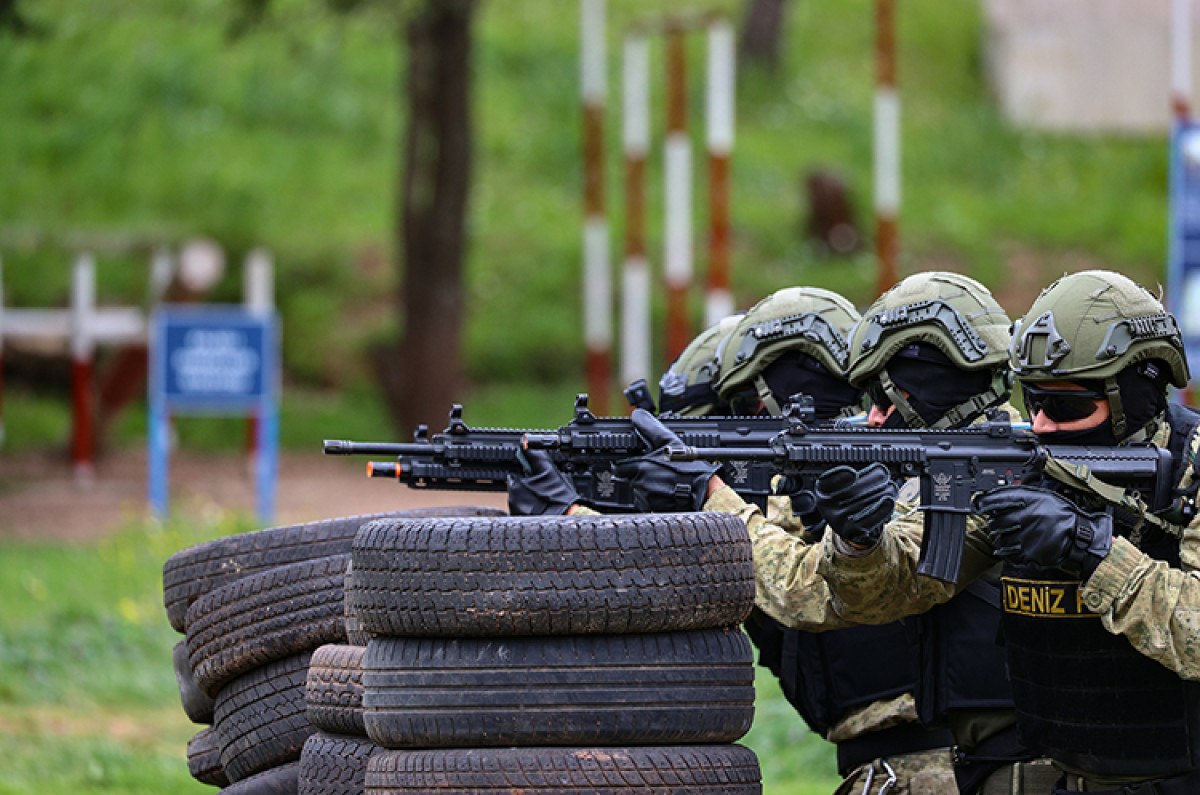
[144,116]
[88,701]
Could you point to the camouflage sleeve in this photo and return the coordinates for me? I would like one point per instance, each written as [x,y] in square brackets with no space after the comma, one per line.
[787,585]
[779,512]
[880,585]
[1153,605]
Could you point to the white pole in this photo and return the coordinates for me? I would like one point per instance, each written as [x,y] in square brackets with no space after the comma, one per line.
[83,307]
[635,282]
[161,267]
[720,116]
[259,281]
[597,276]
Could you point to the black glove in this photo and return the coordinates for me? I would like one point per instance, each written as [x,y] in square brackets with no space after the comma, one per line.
[857,502]
[542,489]
[804,503]
[1044,528]
[658,484]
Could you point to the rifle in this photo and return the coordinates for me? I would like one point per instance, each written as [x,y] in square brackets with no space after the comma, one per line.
[955,465]
[462,458]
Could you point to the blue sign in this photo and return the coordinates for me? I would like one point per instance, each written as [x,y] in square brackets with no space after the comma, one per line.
[1183,263]
[214,360]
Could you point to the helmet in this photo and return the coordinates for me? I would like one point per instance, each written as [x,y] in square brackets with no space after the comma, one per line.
[1092,325]
[807,320]
[952,313]
[686,388]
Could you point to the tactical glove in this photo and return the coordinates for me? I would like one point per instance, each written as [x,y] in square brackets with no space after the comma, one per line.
[658,484]
[804,503]
[1041,527]
[857,502]
[541,489]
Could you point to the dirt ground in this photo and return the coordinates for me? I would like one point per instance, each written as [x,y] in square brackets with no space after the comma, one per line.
[40,500]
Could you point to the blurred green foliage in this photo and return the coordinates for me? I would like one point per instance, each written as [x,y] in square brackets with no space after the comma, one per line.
[146,117]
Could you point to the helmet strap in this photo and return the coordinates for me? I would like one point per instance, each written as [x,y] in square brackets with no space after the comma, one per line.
[1117,409]
[910,415]
[966,412]
[766,396]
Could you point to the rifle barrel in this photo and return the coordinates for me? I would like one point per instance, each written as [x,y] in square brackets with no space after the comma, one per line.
[342,447]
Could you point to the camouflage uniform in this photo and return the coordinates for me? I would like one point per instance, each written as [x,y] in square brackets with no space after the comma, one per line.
[1154,606]
[790,588]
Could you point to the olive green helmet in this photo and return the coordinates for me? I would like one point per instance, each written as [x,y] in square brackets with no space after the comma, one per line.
[1091,325]
[953,313]
[806,319]
[687,388]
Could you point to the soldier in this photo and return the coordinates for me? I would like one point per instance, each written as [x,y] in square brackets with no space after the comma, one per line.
[857,686]
[1100,607]
[686,389]
[876,690]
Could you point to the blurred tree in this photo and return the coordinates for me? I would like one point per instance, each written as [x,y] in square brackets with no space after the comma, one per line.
[422,374]
[425,378]
[12,20]
[762,33]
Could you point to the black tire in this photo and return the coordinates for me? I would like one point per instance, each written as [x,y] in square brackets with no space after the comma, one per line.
[261,720]
[677,770]
[334,765]
[204,759]
[265,617]
[355,634]
[193,572]
[335,690]
[197,704]
[539,575]
[282,780]
[648,689]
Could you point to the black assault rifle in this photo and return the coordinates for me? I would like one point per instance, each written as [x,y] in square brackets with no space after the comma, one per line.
[955,465]
[462,458]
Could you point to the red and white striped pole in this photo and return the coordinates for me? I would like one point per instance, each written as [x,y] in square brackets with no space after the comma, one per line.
[597,284]
[720,113]
[887,145]
[635,280]
[677,197]
[1,352]
[1181,59]
[83,307]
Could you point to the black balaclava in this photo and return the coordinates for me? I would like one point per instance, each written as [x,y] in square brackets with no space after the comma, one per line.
[935,385]
[795,373]
[1143,398]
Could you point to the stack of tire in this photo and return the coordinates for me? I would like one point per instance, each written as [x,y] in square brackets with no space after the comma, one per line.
[253,608]
[549,655]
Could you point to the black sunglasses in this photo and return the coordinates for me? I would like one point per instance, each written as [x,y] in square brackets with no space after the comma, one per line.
[1062,405]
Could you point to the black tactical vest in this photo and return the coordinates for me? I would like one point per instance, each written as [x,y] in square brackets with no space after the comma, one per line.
[947,657]
[1085,697]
